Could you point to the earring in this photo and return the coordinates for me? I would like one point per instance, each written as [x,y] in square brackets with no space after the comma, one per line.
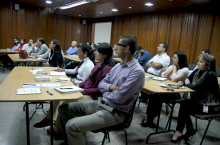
[85,55]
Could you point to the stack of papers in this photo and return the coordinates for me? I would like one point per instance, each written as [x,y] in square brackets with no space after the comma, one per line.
[155,78]
[24,91]
[43,79]
[62,79]
[41,85]
[35,71]
[70,89]
[41,72]
[56,73]
[171,86]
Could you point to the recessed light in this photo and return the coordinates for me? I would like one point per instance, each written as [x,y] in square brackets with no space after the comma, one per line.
[80,15]
[129,7]
[149,4]
[114,10]
[101,12]
[49,2]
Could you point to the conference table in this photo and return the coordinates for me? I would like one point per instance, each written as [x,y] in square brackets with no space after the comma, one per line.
[20,76]
[8,51]
[152,87]
[15,58]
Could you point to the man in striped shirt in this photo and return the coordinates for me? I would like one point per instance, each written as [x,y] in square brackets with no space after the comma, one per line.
[120,89]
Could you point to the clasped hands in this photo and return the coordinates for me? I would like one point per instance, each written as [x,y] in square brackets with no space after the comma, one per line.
[180,83]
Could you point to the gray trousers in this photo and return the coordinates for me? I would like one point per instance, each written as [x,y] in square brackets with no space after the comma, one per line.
[79,117]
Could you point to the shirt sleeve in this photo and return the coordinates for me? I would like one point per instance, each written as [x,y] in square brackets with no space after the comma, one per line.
[86,72]
[144,57]
[163,73]
[165,61]
[71,71]
[128,88]
[42,51]
[182,75]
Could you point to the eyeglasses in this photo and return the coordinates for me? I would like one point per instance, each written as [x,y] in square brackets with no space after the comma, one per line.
[121,45]
[174,58]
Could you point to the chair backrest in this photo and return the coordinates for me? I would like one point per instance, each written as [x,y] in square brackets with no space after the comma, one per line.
[218,71]
[192,66]
[145,68]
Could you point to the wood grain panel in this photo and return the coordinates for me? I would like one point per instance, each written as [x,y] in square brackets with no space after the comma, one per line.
[89,31]
[1,46]
[188,31]
[142,24]
[43,24]
[134,27]
[30,23]
[77,25]
[118,28]
[60,29]
[83,33]
[203,34]
[37,25]
[151,34]
[174,34]
[21,23]
[214,42]
[51,21]
[113,32]
[126,25]
[68,33]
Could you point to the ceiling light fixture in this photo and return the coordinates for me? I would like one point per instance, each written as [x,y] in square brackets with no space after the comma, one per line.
[129,7]
[80,15]
[49,2]
[149,4]
[101,12]
[114,10]
[74,4]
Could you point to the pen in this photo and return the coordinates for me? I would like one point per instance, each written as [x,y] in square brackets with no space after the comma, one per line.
[66,88]
[49,93]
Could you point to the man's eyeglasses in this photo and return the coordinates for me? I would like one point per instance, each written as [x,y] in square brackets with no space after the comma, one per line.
[121,45]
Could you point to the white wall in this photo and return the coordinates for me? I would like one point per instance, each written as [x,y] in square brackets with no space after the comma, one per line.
[103,32]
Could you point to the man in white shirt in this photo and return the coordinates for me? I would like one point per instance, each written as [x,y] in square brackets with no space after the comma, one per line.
[160,61]
[28,47]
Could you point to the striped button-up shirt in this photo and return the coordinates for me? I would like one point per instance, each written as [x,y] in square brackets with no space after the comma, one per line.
[130,78]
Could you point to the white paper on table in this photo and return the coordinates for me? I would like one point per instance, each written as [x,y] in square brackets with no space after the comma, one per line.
[62,79]
[155,78]
[24,91]
[35,71]
[50,85]
[28,85]
[70,89]
[166,86]
[56,73]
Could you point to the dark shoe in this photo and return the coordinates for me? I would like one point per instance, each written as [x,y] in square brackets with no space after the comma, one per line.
[177,140]
[57,136]
[189,134]
[43,123]
[147,124]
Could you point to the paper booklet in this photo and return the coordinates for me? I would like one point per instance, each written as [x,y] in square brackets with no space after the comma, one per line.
[70,89]
[43,79]
[27,85]
[155,78]
[173,86]
[24,91]
[62,79]
[56,73]
[41,72]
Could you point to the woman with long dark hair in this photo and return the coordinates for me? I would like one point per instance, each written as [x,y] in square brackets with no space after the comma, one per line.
[56,57]
[177,72]
[85,67]
[21,44]
[204,81]
[16,44]
[103,54]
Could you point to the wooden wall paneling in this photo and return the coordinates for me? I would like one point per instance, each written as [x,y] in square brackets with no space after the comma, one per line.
[89,31]
[21,22]
[1,39]
[118,29]
[51,21]
[77,25]
[126,25]
[203,34]
[188,34]
[37,25]
[7,30]
[93,32]
[83,33]
[214,41]
[60,29]
[30,24]
[142,25]
[43,25]
[151,33]
[134,27]
[68,33]
[174,34]
[113,32]
[163,29]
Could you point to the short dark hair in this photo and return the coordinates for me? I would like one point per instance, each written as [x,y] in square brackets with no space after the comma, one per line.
[41,40]
[90,43]
[206,51]
[32,39]
[164,45]
[131,41]
[139,48]
[182,59]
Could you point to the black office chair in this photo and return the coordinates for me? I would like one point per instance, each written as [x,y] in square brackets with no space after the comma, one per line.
[120,127]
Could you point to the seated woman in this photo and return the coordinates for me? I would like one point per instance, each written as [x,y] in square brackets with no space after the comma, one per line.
[90,85]
[177,72]
[84,68]
[21,45]
[204,81]
[16,44]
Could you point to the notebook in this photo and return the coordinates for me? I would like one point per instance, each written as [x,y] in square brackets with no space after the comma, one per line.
[43,79]
[70,89]
[25,91]
[155,78]
[41,72]
[62,79]
[56,73]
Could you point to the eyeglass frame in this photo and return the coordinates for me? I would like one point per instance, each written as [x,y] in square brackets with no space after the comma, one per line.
[121,45]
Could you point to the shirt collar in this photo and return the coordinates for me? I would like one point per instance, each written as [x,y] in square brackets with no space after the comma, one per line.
[162,54]
[130,63]
[86,59]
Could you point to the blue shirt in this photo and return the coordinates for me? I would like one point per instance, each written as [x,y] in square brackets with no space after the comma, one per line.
[74,49]
[145,57]
[15,47]
[130,79]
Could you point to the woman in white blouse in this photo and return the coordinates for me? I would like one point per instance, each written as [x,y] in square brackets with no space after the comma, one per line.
[177,72]
[85,67]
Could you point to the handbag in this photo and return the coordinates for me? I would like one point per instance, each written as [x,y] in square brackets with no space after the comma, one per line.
[23,54]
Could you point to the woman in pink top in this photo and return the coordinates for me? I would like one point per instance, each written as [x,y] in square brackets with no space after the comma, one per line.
[103,54]
[177,72]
